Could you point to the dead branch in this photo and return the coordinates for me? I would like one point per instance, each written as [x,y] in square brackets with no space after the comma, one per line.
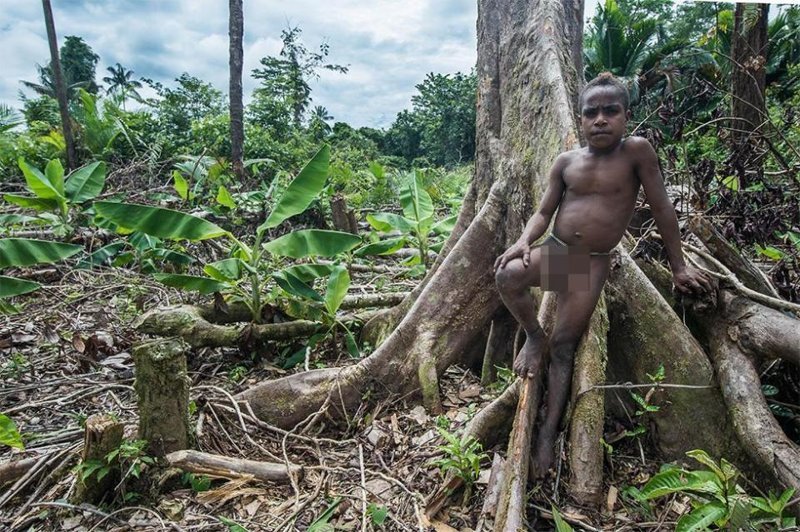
[223,466]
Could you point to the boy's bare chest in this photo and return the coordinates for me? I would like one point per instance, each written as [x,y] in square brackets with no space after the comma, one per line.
[612,176]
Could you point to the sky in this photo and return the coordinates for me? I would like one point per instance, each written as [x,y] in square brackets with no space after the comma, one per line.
[389,46]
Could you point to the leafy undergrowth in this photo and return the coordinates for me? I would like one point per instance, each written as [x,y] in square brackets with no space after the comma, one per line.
[68,356]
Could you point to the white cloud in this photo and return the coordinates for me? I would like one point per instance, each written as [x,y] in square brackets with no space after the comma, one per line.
[389,45]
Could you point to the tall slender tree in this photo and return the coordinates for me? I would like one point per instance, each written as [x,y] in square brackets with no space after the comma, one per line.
[61,90]
[748,83]
[236,32]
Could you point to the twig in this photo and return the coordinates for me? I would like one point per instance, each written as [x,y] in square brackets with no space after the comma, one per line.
[363,487]
[302,506]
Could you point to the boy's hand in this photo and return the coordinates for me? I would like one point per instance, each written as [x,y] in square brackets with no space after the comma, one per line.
[517,249]
[691,281]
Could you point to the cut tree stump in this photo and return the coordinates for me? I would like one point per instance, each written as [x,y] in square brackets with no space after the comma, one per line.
[162,387]
[103,434]
[224,466]
[344,219]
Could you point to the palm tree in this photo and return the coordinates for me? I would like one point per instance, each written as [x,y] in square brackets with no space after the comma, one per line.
[122,83]
[318,122]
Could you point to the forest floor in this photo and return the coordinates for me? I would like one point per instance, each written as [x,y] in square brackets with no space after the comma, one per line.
[67,356]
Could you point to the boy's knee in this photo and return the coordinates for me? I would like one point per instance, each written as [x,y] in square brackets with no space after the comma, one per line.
[504,278]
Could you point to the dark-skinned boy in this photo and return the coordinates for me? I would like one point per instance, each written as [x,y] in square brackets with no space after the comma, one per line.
[594,190]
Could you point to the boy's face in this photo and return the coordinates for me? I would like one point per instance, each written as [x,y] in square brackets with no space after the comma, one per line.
[603,117]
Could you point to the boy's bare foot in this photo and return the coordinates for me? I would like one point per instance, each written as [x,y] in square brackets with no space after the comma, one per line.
[544,455]
[529,359]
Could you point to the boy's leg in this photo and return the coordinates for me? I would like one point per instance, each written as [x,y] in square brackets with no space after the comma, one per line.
[575,309]
[513,283]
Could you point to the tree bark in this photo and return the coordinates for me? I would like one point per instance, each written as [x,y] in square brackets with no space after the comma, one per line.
[224,466]
[103,434]
[61,89]
[236,33]
[162,387]
[748,82]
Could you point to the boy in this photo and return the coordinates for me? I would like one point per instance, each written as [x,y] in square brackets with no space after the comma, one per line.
[595,190]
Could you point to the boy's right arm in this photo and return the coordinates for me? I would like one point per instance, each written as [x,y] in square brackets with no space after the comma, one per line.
[539,222]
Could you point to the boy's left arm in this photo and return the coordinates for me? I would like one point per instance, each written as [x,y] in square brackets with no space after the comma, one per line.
[686,278]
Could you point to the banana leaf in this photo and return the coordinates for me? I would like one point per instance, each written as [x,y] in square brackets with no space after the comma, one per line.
[39,204]
[386,221]
[20,252]
[86,183]
[159,222]
[302,190]
[384,247]
[416,202]
[10,287]
[295,286]
[38,183]
[338,283]
[312,243]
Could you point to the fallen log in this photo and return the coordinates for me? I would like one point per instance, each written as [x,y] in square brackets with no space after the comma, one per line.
[201,463]
[11,471]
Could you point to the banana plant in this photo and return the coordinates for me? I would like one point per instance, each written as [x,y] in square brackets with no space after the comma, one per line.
[52,193]
[415,225]
[240,274]
[22,252]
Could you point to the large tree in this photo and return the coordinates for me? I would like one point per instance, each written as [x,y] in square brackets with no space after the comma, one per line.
[528,85]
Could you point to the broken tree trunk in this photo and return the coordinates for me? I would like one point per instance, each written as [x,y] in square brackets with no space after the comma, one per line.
[162,387]
[224,466]
[103,434]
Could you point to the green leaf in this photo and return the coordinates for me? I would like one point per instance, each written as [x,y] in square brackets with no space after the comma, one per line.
[445,226]
[377,513]
[10,287]
[86,183]
[384,247]
[232,525]
[38,183]
[701,518]
[320,524]
[312,242]
[9,435]
[7,220]
[156,221]
[338,283]
[102,256]
[39,204]
[54,173]
[352,345]
[416,202]
[387,221]
[224,198]
[173,257]
[770,252]
[561,525]
[302,190]
[22,252]
[204,285]
[309,272]
[678,480]
[731,183]
[225,270]
[180,184]
[295,286]
[703,457]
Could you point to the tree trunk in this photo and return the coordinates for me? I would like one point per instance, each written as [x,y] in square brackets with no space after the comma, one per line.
[236,31]
[527,89]
[748,81]
[61,90]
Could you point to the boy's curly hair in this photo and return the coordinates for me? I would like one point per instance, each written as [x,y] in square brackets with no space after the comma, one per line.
[607,79]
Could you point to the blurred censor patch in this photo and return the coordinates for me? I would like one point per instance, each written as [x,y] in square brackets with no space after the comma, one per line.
[564,268]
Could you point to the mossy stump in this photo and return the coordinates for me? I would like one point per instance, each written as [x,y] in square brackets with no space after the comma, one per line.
[162,387]
[103,434]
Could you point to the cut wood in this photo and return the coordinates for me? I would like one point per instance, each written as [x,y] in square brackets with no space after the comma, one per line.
[103,434]
[201,463]
[162,389]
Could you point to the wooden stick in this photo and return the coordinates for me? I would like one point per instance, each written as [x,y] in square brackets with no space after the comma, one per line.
[223,466]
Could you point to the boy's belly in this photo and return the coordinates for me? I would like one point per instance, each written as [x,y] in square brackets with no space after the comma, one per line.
[593,222]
